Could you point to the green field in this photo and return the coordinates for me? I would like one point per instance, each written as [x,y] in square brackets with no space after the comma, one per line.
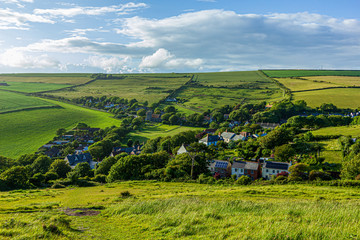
[343,130]
[25,131]
[305,73]
[154,130]
[32,87]
[151,88]
[158,210]
[55,78]
[303,85]
[10,101]
[341,97]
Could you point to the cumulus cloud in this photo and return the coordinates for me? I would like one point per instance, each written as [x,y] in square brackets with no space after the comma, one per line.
[84,31]
[19,59]
[109,64]
[10,19]
[162,58]
[90,11]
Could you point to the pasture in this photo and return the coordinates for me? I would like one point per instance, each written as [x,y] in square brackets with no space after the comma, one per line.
[25,131]
[306,73]
[341,97]
[351,130]
[151,88]
[32,87]
[10,101]
[54,78]
[303,84]
[154,130]
[159,210]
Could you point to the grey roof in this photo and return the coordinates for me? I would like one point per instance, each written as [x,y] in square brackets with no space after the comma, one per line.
[276,165]
[245,165]
[78,158]
[218,164]
[239,137]
[228,135]
[213,138]
[182,149]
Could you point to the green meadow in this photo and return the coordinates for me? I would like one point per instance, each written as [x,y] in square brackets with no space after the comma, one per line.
[303,84]
[151,88]
[159,210]
[32,87]
[352,130]
[25,131]
[341,97]
[10,101]
[54,78]
[305,73]
[154,130]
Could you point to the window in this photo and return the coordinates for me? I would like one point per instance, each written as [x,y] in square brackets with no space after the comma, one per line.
[242,170]
[273,171]
[236,169]
[252,171]
[277,171]
[267,170]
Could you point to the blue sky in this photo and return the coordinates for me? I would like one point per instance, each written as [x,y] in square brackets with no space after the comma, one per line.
[177,36]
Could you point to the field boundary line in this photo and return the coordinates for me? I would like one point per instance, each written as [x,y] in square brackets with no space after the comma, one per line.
[286,91]
[30,108]
[326,88]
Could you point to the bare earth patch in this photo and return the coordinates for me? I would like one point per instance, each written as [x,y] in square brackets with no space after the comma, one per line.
[80,212]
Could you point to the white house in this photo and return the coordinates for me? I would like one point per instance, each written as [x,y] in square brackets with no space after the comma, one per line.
[273,168]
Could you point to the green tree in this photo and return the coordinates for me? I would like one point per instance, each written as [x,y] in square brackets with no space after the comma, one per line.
[41,164]
[15,177]
[284,153]
[83,169]
[351,168]
[105,165]
[141,112]
[60,167]
[174,119]
[170,109]
[60,131]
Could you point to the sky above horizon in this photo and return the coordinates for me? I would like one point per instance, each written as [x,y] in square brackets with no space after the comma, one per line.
[178,36]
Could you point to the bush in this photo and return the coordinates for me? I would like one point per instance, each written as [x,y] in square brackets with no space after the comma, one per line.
[57,185]
[357,177]
[125,194]
[319,175]
[51,176]
[204,179]
[243,180]
[100,178]
[281,178]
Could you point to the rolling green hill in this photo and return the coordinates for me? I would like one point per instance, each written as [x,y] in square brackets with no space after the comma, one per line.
[25,131]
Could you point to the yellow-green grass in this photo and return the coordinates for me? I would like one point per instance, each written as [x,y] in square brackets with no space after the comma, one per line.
[25,131]
[353,131]
[338,80]
[234,79]
[179,108]
[341,97]
[332,156]
[10,101]
[157,210]
[154,130]
[203,98]
[141,87]
[300,84]
[305,73]
[60,78]
[32,87]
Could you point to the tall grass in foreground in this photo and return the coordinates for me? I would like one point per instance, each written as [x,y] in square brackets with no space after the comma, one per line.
[194,218]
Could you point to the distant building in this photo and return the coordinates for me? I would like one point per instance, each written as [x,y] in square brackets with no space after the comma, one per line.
[223,168]
[135,150]
[273,168]
[211,139]
[250,169]
[75,159]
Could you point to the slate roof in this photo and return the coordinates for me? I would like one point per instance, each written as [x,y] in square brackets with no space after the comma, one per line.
[228,135]
[182,149]
[239,137]
[213,138]
[276,165]
[245,165]
[74,159]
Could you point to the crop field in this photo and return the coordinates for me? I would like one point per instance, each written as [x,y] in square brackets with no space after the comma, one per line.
[203,98]
[153,130]
[149,88]
[10,101]
[352,130]
[31,129]
[55,78]
[338,80]
[32,87]
[306,73]
[159,210]
[341,97]
[301,84]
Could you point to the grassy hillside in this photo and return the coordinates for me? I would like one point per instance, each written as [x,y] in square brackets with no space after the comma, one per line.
[149,88]
[55,78]
[305,73]
[154,130]
[343,130]
[157,210]
[25,131]
[32,87]
[10,101]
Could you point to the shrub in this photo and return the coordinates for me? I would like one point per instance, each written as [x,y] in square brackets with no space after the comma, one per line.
[51,176]
[281,178]
[357,177]
[101,178]
[125,194]
[319,175]
[243,180]
[57,185]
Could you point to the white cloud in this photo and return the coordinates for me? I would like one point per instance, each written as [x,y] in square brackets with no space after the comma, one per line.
[109,64]
[84,31]
[162,58]
[90,11]
[17,2]
[19,59]
[10,19]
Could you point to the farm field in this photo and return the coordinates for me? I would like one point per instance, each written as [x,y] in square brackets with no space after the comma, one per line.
[306,73]
[338,80]
[151,88]
[160,210]
[32,87]
[353,131]
[10,101]
[332,151]
[303,85]
[31,129]
[179,107]
[341,97]
[203,98]
[55,78]
[154,130]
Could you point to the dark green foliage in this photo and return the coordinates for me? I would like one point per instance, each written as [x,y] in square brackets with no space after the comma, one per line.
[100,178]
[275,138]
[15,177]
[284,153]
[57,185]
[101,149]
[319,175]
[51,176]
[83,170]
[180,166]
[298,172]
[5,163]
[60,167]
[37,179]
[350,168]
[243,180]
[104,166]
[125,194]
[41,164]
[26,159]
